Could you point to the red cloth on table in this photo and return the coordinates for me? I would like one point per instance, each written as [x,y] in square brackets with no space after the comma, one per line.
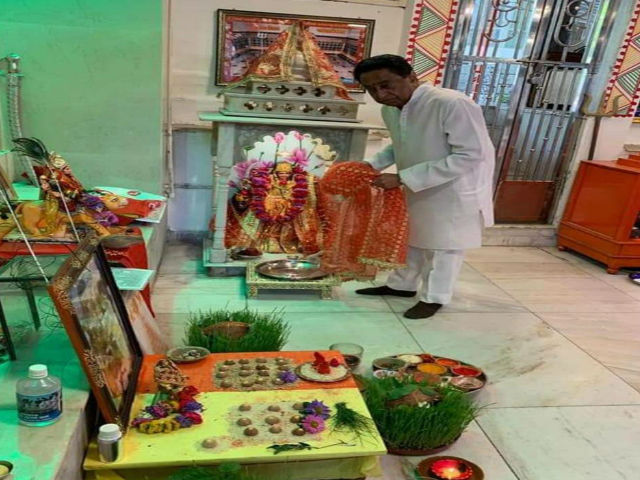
[133,256]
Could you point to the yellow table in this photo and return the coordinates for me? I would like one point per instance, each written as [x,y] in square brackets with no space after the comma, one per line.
[156,456]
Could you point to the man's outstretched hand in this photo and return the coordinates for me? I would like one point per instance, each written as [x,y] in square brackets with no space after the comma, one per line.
[387,181]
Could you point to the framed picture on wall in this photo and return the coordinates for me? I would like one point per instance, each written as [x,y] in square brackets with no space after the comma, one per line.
[93,314]
[389,3]
[244,36]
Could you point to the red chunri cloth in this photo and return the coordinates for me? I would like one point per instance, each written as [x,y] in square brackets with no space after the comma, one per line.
[366,227]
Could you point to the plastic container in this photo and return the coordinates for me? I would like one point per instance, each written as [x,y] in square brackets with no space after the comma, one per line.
[39,398]
[109,442]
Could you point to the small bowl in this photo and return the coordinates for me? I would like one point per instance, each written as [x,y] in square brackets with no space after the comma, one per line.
[9,465]
[426,358]
[188,354]
[447,362]
[389,363]
[429,378]
[432,368]
[410,358]
[386,373]
[467,384]
[466,371]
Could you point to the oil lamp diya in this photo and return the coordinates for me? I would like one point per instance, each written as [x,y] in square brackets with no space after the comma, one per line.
[451,469]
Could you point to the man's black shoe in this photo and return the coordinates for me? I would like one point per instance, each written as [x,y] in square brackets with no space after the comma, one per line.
[422,310]
[384,290]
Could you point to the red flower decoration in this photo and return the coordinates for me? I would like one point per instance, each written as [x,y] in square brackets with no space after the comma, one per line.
[190,390]
[196,418]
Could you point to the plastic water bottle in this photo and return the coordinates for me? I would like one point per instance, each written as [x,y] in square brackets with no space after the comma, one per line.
[39,398]
[109,442]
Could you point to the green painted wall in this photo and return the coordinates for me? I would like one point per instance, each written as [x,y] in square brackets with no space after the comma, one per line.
[92,89]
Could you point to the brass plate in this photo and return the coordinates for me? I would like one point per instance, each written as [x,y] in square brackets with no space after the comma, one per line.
[288,269]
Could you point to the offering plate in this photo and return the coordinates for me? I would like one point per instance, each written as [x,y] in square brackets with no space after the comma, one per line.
[257,282]
[291,270]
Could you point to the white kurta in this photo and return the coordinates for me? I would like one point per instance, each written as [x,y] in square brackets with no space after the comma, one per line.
[445,159]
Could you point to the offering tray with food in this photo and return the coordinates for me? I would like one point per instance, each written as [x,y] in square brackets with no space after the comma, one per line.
[323,369]
[261,373]
[278,422]
[187,354]
[433,369]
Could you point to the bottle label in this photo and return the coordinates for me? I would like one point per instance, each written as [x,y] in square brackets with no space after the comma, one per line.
[39,408]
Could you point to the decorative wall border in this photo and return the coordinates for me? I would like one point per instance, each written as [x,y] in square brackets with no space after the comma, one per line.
[625,79]
[430,37]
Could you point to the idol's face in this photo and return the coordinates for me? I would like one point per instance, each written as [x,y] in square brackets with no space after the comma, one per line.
[389,88]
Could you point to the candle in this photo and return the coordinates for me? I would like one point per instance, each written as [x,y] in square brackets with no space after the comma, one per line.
[451,469]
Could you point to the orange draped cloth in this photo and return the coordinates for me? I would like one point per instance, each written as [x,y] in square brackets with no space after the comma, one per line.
[366,227]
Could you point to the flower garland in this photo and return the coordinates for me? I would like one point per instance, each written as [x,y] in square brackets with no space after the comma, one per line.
[261,184]
[181,410]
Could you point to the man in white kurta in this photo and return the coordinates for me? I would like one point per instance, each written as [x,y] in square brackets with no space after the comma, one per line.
[445,160]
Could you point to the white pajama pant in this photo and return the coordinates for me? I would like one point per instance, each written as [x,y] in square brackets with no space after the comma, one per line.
[432,273]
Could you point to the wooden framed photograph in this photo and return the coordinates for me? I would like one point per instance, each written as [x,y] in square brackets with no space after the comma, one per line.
[95,318]
[244,36]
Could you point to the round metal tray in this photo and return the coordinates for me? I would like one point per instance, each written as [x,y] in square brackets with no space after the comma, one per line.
[291,269]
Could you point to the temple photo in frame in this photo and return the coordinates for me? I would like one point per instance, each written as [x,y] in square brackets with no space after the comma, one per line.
[244,36]
[92,312]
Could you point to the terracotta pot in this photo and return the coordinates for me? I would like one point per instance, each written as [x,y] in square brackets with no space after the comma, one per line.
[412,452]
[233,330]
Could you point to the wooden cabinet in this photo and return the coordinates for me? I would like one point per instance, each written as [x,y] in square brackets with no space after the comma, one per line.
[602,213]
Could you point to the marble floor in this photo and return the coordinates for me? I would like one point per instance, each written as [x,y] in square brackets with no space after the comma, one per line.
[557,336]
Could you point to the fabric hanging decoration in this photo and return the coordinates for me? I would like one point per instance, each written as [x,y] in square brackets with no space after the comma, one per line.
[366,227]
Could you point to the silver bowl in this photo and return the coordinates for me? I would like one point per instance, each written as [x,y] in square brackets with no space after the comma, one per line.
[291,269]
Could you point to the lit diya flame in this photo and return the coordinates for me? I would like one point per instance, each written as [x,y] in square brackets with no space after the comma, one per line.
[451,469]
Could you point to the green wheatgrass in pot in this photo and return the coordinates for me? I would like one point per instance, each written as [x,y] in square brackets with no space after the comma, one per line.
[412,427]
[268,332]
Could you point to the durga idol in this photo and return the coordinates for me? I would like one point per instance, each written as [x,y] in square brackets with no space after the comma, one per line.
[274,210]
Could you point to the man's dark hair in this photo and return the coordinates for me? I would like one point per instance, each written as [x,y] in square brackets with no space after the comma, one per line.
[394,63]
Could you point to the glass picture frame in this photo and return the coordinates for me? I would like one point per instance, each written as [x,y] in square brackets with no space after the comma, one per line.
[242,36]
[93,314]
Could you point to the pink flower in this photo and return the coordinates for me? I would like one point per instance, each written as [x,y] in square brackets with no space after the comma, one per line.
[242,169]
[299,157]
[313,424]
[279,137]
[298,135]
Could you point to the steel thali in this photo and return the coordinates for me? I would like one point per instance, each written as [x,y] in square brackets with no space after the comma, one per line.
[291,269]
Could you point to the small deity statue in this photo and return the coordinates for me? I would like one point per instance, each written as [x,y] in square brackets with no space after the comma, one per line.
[65,200]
